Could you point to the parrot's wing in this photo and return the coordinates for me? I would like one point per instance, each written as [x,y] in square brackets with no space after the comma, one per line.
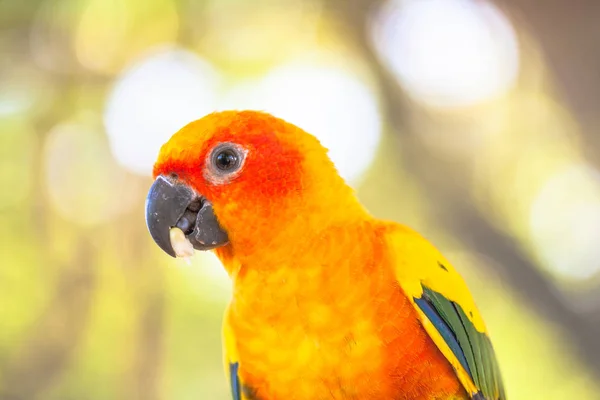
[447,312]
[239,391]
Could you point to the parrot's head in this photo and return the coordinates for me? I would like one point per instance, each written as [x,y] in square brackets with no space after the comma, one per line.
[244,180]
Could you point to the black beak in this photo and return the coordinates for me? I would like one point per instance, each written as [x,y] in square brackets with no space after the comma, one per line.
[174,204]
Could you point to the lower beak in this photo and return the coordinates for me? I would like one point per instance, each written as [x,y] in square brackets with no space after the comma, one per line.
[173,204]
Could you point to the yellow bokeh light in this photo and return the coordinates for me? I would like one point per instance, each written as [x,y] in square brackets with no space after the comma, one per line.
[111,33]
[531,137]
[18,146]
[565,222]
[254,36]
[83,182]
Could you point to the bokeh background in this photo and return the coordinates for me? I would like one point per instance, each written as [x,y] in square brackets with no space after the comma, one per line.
[476,122]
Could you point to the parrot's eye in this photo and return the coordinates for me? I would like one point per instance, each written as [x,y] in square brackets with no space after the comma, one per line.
[225,161]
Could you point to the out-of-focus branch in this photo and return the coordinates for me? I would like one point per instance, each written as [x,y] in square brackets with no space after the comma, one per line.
[568,34]
[456,209]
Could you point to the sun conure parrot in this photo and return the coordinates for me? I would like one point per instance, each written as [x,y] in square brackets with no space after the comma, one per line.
[328,302]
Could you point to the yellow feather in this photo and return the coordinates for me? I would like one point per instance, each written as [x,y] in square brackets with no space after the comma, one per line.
[230,354]
[420,263]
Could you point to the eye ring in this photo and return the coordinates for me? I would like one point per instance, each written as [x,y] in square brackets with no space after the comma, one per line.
[225,162]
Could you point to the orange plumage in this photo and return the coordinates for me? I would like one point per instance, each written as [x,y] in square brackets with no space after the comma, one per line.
[318,310]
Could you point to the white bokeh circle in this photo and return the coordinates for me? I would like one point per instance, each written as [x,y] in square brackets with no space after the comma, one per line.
[152,100]
[447,53]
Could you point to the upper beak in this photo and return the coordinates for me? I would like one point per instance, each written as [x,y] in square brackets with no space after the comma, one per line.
[172,204]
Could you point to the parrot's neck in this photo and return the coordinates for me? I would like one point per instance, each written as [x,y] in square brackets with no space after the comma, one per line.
[284,239]
[319,256]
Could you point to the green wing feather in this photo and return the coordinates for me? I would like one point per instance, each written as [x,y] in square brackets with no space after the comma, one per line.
[475,346]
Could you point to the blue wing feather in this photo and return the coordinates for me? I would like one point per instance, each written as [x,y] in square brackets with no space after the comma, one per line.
[234,381]
[472,348]
[445,331]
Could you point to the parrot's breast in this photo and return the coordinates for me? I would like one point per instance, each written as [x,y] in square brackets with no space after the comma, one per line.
[334,328]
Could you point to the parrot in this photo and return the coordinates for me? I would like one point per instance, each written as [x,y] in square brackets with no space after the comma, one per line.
[328,302]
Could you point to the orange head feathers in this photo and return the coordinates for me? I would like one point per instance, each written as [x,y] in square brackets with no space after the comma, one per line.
[264,177]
